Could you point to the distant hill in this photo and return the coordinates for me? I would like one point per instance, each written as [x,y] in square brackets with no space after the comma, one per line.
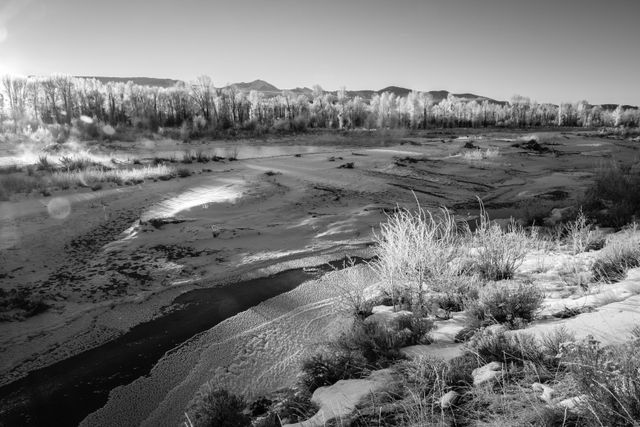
[398,91]
[257,85]
[437,95]
[612,107]
[143,81]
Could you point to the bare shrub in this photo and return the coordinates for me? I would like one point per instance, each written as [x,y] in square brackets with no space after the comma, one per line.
[582,236]
[326,368]
[72,164]
[380,344]
[511,303]
[415,253]
[183,172]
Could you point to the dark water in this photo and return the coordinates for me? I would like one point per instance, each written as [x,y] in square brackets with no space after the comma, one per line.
[64,393]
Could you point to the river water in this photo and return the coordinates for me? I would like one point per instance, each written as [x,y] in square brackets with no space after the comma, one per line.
[64,393]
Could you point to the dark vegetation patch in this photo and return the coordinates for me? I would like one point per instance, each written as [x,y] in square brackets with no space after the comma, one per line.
[348,165]
[568,312]
[183,172]
[554,195]
[19,304]
[160,222]
[326,368]
[613,199]
[403,161]
[532,145]
[176,252]
[469,145]
[613,264]
[217,407]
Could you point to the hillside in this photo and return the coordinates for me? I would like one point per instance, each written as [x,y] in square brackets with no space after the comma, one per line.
[259,85]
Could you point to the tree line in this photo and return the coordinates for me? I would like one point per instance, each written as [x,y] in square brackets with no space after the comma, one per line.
[60,99]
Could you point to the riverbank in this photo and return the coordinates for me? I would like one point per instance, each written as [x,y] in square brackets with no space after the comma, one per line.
[123,254]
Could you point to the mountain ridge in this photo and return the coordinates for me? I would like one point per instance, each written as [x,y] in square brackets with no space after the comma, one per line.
[269,89]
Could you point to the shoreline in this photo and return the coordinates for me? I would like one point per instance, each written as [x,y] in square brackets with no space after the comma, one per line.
[251,351]
[193,316]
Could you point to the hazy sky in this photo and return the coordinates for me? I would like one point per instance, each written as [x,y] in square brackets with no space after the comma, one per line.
[549,50]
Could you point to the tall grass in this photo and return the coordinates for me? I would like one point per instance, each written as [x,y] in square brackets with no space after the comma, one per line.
[12,184]
[609,377]
[499,252]
[415,252]
[418,252]
[120,176]
[476,155]
[216,407]
[621,253]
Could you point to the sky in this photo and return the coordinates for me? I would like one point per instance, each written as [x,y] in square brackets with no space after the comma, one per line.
[549,50]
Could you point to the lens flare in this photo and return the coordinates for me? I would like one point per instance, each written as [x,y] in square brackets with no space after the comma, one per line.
[108,130]
[59,208]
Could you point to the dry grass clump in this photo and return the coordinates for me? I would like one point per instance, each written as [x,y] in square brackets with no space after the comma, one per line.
[217,407]
[416,252]
[18,183]
[499,252]
[328,367]
[120,176]
[424,260]
[76,163]
[183,172]
[354,300]
[379,344]
[609,376]
[477,155]
[44,164]
[490,345]
[621,253]
[581,235]
[512,303]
